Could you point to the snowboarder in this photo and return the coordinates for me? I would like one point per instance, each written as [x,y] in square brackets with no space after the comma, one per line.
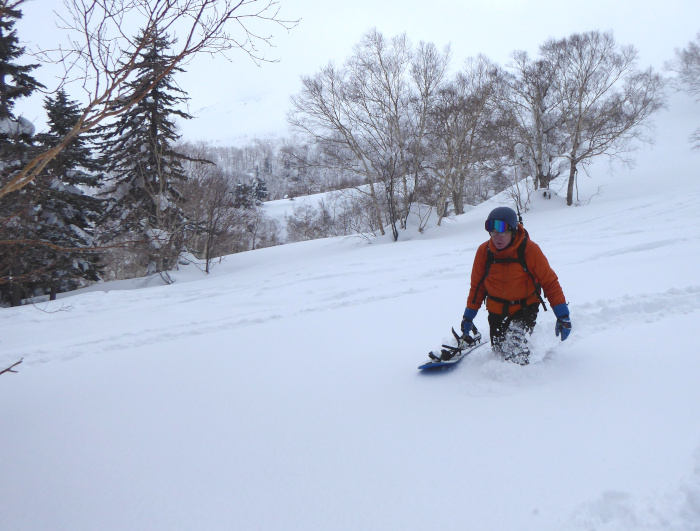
[509,272]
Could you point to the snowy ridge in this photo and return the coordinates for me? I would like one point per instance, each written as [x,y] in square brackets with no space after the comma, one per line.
[281,392]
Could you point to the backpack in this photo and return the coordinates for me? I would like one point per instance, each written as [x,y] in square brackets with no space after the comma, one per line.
[491,259]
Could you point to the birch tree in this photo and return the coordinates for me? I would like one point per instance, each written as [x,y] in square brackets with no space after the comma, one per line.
[687,65]
[607,102]
[536,116]
[363,116]
[462,124]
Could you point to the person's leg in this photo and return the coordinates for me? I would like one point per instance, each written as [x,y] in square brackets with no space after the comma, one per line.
[498,324]
[509,335]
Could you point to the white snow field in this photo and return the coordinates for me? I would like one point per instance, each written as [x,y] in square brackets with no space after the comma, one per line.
[281,392]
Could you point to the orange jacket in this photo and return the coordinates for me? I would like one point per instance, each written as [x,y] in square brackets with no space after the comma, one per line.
[509,281]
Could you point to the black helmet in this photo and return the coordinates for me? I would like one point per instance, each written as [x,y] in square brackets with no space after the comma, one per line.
[505,214]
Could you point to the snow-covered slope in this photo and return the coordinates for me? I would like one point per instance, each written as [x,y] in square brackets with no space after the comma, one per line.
[281,392]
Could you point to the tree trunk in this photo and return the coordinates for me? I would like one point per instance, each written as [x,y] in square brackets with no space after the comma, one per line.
[570,187]
[15,295]
[458,201]
[391,205]
[377,208]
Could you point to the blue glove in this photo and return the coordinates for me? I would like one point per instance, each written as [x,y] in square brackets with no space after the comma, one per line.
[563,325]
[467,320]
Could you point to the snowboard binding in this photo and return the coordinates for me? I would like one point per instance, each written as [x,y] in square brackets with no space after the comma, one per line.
[464,342]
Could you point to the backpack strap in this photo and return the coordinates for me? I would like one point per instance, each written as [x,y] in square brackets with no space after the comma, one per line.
[523,263]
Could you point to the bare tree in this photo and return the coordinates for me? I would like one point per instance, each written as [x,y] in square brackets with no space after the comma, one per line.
[216,224]
[462,126]
[687,65]
[606,101]
[105,38]
[428,72]
[363,117]
[208,204]
[536,116]
[211,208]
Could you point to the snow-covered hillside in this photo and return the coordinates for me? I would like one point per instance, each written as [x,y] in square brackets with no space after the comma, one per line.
[281,392]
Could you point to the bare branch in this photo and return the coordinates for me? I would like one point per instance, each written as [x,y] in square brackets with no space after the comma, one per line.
[11,367]
[102,51]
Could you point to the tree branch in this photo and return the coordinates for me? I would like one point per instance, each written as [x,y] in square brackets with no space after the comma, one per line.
[11,367]
[106,55]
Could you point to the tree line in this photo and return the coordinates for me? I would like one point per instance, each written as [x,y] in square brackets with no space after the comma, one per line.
[393,116]
[110,190]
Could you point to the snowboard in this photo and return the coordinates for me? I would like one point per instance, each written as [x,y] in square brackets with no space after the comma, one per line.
[454,354]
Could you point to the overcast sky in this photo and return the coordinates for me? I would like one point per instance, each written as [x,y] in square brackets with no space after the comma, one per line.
[235,101]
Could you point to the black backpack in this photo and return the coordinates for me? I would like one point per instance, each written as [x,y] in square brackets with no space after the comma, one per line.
[491,259]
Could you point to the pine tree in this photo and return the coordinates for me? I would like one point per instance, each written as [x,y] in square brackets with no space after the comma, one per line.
[144,167]
[244,196]
[260,191]
[66,210]
[15,79]
[17,264]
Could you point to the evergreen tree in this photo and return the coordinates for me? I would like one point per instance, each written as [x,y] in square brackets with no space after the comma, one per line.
[15,79]
[260,190]
[144,167]
[65,214]
[17,264]
[244,196]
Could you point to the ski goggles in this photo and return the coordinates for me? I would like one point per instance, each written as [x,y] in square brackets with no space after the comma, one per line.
[496,225]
